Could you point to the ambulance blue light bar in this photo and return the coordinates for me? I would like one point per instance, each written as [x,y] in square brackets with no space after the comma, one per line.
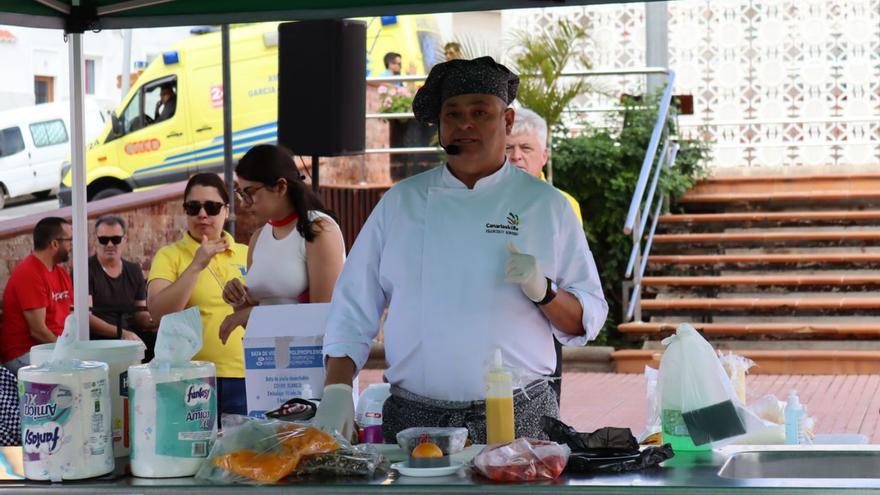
[389,20]
[171,58]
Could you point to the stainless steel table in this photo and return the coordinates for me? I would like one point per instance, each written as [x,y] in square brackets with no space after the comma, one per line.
[695,473]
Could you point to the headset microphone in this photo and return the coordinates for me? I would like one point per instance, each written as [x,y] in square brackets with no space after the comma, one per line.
[452,149]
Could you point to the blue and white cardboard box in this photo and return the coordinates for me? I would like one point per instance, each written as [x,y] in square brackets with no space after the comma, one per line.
[283,355]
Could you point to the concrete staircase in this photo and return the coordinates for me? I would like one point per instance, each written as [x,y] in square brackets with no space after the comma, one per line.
[783,270]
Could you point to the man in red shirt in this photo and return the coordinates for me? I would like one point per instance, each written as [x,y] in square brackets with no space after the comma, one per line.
[38,295]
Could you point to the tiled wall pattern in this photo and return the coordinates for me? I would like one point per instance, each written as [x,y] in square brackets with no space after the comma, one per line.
[775,82]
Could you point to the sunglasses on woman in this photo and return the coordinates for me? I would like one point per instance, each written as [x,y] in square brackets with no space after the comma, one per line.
[115,239]
[212,208]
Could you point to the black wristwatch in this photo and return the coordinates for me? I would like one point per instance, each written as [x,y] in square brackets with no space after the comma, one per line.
[552,288]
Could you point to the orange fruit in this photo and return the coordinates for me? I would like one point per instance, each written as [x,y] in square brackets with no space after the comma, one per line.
[427,449]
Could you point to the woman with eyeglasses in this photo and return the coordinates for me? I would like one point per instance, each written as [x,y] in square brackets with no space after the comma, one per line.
[298,254]
[193,272]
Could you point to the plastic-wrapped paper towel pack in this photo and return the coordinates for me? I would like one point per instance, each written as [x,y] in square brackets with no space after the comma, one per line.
[65,411]
[174,402]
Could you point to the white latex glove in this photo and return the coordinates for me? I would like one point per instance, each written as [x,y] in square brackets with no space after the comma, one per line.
[336,411]
[523,269]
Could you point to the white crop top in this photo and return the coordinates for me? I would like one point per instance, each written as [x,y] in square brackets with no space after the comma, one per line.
[278,273]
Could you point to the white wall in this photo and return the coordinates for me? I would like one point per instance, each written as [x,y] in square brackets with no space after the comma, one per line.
[43,52]
[776,83]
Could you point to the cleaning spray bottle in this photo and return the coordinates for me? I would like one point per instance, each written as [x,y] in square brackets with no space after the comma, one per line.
[499,403]
[794,420]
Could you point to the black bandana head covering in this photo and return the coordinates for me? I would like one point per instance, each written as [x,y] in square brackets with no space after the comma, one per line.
[461,77]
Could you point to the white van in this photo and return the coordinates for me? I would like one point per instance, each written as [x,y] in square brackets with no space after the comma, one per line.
[34,141]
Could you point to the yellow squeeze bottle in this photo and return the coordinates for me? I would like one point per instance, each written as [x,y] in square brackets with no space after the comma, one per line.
[499,403]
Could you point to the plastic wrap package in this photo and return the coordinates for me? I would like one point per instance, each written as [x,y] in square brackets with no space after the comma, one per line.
[361,460]
[524,459]
[450,440]
[65,415]
[262,451]
[173,402]
[736,367]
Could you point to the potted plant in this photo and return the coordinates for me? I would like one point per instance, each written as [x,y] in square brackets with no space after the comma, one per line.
[406,133]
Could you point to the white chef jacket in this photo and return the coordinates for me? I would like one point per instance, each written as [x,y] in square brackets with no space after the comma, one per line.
[435,251]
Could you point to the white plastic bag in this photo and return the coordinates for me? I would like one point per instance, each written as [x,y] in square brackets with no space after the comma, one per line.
[652,410]
[736,367]
[697,399]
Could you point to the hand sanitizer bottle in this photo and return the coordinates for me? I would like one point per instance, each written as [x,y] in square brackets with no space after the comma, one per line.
[794,420]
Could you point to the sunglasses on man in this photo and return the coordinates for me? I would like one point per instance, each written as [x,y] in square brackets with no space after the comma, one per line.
[212,208]
[105,239]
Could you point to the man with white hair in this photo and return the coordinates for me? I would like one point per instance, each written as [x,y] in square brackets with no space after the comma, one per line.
[527,149]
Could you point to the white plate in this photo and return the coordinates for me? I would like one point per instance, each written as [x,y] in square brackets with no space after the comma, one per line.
[404,469]
[395,454]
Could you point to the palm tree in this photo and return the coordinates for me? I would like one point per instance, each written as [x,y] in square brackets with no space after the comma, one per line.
[543,57]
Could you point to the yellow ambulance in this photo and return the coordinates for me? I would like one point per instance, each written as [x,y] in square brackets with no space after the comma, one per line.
[170,124]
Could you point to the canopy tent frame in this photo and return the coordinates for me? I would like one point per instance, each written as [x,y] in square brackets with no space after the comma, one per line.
[121,14]
[76,17]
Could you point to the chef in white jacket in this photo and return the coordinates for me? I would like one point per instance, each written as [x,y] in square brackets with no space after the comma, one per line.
[469,257]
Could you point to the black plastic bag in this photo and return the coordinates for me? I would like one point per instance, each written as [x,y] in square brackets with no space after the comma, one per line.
[606,450]
[617,461]
[603,438]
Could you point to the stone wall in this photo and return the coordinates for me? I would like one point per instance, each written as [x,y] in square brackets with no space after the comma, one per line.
[154,218]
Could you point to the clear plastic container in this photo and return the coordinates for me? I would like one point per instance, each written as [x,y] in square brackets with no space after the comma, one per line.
[450,440]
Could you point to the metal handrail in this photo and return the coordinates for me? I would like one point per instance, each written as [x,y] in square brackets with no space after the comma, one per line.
[403,151]
[647,163]
[641,205]
[644,219]
[636,297]
[421,77]
[636,71]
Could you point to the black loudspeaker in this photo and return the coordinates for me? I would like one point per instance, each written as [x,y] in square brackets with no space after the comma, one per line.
[322,87]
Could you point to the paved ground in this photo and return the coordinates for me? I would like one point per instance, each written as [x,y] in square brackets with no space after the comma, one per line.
[839,403]
[28,205]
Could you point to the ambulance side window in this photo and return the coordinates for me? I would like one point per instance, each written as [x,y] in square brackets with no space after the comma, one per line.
[154,102]
[160,100]
[131,117]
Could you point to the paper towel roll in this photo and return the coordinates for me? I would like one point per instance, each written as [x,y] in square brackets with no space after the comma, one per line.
[173,418]
[65,425]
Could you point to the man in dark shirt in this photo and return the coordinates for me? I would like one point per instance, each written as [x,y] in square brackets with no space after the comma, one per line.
[117,283]
[167,103]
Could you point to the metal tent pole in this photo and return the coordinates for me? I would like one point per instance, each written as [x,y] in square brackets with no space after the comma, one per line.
[125,79]
[227,125]
[78,182]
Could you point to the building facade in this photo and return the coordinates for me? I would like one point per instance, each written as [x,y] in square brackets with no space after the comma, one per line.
[776,83]
[38,59]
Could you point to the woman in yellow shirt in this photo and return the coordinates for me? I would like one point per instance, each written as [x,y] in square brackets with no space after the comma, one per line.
[193,272]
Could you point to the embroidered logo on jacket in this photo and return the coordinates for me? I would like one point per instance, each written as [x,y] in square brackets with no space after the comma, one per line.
[509,228]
